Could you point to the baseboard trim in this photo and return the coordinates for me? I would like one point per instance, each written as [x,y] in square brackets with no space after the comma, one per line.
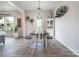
[68,47]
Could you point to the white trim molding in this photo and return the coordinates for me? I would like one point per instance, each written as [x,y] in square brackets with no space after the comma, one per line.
[68,47]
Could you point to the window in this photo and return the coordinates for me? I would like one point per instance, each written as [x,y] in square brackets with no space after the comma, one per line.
[1,23]
[2,20]
[9,22]
[10,19]
[38,25]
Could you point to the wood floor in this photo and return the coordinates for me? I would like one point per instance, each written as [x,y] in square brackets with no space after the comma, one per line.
[22,48]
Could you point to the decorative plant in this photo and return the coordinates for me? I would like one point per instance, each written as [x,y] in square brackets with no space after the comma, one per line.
[16,29]
[61,11]
[0,17]
[31,21]
[11,29]
[8,24]
[27,18]
[2,25]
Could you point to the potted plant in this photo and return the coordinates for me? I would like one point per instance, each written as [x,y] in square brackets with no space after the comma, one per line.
[27,18]
[31,21]
[61,11]
[16,31]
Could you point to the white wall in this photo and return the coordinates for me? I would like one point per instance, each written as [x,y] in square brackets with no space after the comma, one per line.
[67,27]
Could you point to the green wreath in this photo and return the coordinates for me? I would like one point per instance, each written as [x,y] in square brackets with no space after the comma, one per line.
[61,11]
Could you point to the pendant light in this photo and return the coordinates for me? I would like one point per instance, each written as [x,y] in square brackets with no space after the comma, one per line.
[39,10]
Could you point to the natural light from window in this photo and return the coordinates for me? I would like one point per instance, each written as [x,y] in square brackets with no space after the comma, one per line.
[38,25]
[2,20]
[10,19]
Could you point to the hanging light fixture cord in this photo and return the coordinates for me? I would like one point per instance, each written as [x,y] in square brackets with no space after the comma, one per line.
[39,10]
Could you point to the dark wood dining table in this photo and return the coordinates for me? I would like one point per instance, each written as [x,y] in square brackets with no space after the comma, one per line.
[41,36]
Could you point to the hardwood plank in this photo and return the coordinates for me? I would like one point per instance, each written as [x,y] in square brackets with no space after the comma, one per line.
[25,48]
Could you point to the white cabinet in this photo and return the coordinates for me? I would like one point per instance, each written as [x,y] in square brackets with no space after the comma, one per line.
[50,26]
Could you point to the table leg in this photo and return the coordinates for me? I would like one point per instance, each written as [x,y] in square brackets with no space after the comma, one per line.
[46,42]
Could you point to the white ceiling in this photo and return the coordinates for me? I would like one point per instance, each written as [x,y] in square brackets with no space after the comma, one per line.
[33,5]
[28,5]
[5,6]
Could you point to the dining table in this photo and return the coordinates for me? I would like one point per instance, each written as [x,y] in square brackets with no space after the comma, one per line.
[41,36]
